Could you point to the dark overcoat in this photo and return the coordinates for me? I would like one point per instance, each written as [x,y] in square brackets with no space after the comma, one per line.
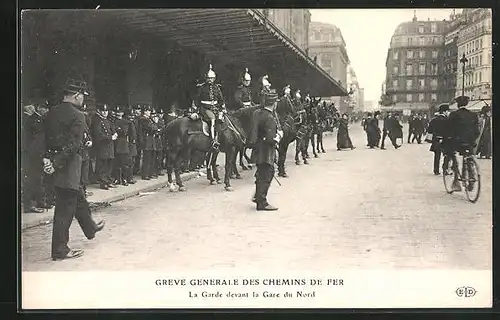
[262,133]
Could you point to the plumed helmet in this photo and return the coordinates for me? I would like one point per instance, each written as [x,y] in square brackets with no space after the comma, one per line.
[210,73]
[286,89]
[297,93]
[265,81]
[246,75]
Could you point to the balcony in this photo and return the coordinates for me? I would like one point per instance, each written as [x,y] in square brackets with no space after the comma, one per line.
[473,34]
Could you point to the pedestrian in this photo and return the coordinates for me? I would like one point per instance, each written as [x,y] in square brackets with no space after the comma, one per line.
[418,129]
[147,142]
[484,147]
[373,130]
[425,122]
[103,141]
[33,149]
[64,128]
[343,138]
[411,128]
[121,167]
[132,145]
[435,134]
[264,136]
[365,123]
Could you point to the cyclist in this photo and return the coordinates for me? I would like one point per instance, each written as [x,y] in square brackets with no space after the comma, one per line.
[462,136]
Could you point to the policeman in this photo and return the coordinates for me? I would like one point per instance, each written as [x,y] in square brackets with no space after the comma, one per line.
[102,139]
[243,95]
[64,127]
[210,101]
[157,133]
[438,129]
[137,160]
[264,137]
[122,150]
[132,145]
[147,142]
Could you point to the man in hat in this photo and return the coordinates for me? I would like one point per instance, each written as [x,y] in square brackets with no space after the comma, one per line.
[64,127]
[132,145]
[137,161]
[463,126]
[102,139]
[121,168]
[264,136]
[438,128]
[484,147]
[148,128]
[210,102]
[243,94]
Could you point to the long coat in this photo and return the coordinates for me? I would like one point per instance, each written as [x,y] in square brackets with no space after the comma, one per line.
[243,97]
[122,141]
[64,127]
[102,138]
[438,128]
[132,138]
[87,137]
[148,128]
[343,139]
[262,133]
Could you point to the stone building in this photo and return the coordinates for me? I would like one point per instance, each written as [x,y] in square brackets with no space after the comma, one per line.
[414,65]
[475,40]
[294,23]
[450,60]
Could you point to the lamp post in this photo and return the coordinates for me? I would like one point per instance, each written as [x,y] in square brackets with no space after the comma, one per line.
[463,61]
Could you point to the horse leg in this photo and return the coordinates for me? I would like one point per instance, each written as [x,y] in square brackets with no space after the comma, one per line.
[234,156]
[242,154]
[214,167]
[313,144]
[321,142]
[283,148]
[208,157]
[303,149]
[230,156]
[182,155]
[297,150]
[170,166]
[247,158]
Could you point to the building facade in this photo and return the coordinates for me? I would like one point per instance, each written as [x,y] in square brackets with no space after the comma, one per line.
[361,100]
[414,65]
[292,22]
[475,40]
[450,60]
[328,48]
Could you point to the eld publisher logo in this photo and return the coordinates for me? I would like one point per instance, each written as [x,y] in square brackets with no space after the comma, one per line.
[466,292]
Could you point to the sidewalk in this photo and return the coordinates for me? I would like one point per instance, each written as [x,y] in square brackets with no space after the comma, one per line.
[29,220]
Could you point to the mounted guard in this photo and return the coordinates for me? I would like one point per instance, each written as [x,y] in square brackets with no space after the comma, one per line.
[243,95]
[265,89]
[210,102]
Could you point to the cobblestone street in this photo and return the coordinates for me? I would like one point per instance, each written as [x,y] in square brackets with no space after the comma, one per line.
[365,208]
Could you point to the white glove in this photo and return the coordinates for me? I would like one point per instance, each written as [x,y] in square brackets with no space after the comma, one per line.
[48,168]
[88,144]
[280,133]
[277,138]
[114,136]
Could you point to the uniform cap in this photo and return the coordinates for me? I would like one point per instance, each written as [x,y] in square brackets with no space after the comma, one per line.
[146,108]
[210,73]
[102,107]
[76,86]
[118,109]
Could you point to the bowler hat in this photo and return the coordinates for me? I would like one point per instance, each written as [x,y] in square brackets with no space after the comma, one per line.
[485,109]
[75,86]
[462,101]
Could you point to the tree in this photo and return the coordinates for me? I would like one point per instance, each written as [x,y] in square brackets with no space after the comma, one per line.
[385,100]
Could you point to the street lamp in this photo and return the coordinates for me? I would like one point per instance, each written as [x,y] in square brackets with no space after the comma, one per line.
[464,60]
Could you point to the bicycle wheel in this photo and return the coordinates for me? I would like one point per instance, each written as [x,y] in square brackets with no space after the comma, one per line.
[448,174]
[472,180]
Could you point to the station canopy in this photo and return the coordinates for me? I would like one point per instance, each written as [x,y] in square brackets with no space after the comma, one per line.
[235,36]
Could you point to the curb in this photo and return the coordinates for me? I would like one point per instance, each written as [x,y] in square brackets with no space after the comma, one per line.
[107,202]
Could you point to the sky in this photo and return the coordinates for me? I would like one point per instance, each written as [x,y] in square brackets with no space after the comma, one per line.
[367,33]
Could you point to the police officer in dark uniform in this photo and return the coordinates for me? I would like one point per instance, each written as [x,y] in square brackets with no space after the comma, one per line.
[87,144]
[160,144]
[157,144]
[147,142]
[64,127]
[132,145]
[102,140]
[122,150]
[438,128]
[243,94]
[137,161]
[210,102]
[264,136]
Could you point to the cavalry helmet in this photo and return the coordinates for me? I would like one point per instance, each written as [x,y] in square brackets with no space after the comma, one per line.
[210,73]
[246,76]
[265,81]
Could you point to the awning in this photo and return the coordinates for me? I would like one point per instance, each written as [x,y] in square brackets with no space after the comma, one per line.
[474,105]
[239,36]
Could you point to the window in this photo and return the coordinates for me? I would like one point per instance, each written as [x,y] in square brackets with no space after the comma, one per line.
[409,69]
[468,46]
[434,83]
[480,43]
[481,60]
[409,84]
[410,41]
[421,29]
[317,35]
[326,60]
[421,68]
[421,41]
[433,27]
[476,46]
[480,76]
[395,70]
[408,97]
[395,55]
[475,77]
[434,68]
[434,54]
[394,98]
[394,83]
[421,54]
[421,83]
[420,97]
[433,96]
[409,54]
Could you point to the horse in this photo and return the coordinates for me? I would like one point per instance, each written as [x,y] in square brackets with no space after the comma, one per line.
[286,113]
[184,135]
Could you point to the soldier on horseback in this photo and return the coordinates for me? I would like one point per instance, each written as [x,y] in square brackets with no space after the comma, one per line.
[243,95]
[265,89]
[210,102]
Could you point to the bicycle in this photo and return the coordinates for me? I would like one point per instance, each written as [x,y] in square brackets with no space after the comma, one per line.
[469,176]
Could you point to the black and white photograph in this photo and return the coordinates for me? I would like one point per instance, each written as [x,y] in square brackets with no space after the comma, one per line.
[255,158]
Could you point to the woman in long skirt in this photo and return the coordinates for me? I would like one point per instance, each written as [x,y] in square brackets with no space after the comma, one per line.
[343,139]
